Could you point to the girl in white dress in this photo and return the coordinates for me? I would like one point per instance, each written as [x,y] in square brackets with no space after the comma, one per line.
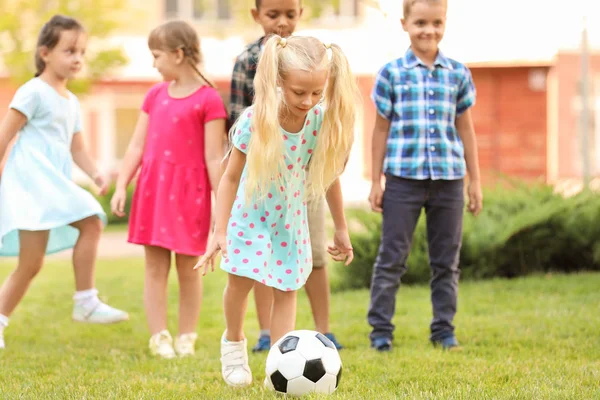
[42,210]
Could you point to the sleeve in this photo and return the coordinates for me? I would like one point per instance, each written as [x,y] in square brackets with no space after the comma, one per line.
[466,93]
[150,98]
[241,137]
[26,100]
[77,127]
[214,108]
[382,94]
[239,90]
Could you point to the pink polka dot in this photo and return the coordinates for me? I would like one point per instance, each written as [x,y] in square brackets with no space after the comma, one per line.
[290,166]
[299,251]
[233,224]
[270,276]
[279,262]
[239,206]
[279,280]
[307,122]
[263,281]
[249,115]
[282,188]
[299,159]
[270,195]
[268,245]
[316,111]
[256,206]
[226,260]
[301,270]
[248,242]
[287,226]
[234,269]
[285,137]
[299,232]
[290,254]
[245,215]
[245,261]
[288,271]
[283,244]
[261,236]
[298,212]
[243,146]
[280,215]
[262,219]
[303,141]
[236,251]
[293,148]
[273,225]
[278,207]
[267,213]
[309,151]
[252,225]
[240,233]
[297,280]
[265,263]
[255,270]
[259,253]
[314,133]
[288,290]
[229,243]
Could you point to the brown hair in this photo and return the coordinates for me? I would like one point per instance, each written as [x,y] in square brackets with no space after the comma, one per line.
[178,35]
[407,4]
[50,35]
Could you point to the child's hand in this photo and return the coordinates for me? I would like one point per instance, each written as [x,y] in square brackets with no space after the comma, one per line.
[117,203]
[475,197]
[376,197]
[217,242]
[102,184]
[342,248]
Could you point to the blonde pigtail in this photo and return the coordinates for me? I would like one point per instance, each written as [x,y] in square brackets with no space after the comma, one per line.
[265,158]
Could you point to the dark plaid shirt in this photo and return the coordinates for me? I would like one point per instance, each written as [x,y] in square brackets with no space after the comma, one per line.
[242,80]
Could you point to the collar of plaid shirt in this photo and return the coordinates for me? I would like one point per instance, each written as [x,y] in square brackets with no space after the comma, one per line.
[410,60]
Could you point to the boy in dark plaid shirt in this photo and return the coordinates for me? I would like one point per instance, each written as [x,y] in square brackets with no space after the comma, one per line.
[424,142]
[280,17]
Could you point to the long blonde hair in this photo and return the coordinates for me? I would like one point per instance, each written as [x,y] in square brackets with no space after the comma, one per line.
[265,157]
[179,35]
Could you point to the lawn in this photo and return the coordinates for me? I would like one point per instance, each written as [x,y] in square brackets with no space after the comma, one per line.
[523,339]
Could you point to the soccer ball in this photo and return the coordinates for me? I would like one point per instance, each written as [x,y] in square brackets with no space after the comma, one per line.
[303,362]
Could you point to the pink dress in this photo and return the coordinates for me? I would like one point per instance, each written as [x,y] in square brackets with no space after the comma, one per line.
[172,201]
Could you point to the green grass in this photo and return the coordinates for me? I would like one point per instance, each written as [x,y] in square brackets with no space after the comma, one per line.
[523,339]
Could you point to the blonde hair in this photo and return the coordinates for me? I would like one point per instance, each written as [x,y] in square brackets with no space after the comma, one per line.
[178,35]
[265,157]
[407,5]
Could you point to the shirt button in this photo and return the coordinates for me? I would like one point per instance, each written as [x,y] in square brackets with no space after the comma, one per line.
[431,130]
[432,148]
[431,111]
[431,92]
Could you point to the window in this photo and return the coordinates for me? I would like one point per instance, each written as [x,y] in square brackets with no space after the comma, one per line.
[198,9]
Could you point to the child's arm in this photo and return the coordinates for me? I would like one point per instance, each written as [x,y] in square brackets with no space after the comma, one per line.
[226,192]
[378,149]
[213,150]
[464,126]
[11,125]
[82,159]
[131,162]
[342,248]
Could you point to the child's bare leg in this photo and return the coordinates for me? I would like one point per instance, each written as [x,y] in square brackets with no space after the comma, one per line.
[317,290]
[235,301]
[158,263]
[32,248]
[283,318]
[263,297]
[85,251]
[190,293]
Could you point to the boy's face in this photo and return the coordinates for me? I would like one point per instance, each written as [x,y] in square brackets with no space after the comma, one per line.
[425,25]
[278,16]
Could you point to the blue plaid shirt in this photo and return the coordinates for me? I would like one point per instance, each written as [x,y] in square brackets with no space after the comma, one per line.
[422,105]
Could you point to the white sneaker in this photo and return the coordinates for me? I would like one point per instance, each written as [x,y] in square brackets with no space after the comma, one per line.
[1,340]
[234,363]
[100,314]
[184,344]
[161,344]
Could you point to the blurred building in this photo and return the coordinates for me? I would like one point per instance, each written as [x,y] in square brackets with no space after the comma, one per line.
[526,70]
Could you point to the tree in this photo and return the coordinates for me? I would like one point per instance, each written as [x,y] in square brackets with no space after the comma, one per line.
[21,21]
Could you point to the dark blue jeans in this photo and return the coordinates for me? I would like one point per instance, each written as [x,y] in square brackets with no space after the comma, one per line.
[403,201]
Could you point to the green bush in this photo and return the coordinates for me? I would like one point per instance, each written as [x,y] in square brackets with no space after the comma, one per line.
[522,230]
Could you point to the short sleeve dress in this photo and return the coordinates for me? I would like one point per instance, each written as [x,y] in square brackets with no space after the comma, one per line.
[269,241]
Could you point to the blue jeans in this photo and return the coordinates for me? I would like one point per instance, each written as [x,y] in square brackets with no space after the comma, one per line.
[403,200]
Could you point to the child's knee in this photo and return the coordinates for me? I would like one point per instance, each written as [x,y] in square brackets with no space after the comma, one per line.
[91,226]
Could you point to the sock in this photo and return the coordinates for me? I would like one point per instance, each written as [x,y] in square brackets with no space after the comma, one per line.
[265,332]
[88,299]
[3,322]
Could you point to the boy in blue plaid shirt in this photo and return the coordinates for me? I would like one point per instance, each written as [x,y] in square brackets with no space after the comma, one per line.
[280,17]
[424,143]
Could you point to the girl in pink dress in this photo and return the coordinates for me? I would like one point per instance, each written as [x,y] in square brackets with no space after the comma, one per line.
[179,143]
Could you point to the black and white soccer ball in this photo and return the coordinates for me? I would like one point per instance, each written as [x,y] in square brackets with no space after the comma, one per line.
[303,362]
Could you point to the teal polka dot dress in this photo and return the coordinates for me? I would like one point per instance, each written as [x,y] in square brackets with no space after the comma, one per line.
[268,241]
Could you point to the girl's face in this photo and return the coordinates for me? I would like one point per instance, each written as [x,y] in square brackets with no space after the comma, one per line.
[167,63]
[302,90]
[65,60]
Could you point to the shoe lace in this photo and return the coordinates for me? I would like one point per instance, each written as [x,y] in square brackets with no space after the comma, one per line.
[234,358]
